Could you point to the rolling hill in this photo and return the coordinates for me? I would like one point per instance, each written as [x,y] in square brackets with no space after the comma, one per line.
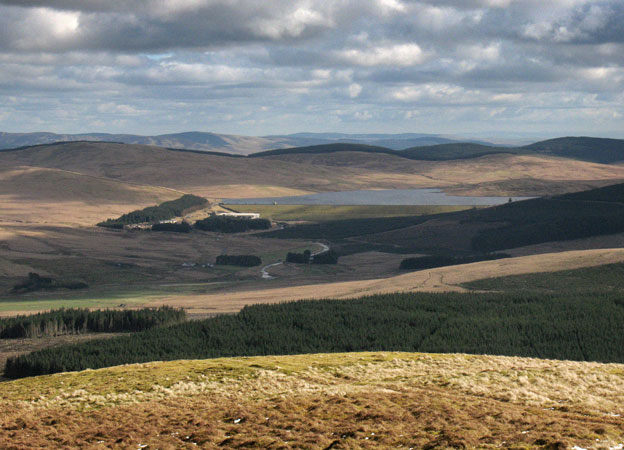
[600,150]
[439,152]
[326,149]
[56,196]
[226,143]
[597,150]
[463,150]
[286,173]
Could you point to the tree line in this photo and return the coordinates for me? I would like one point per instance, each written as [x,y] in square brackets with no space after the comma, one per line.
[164,211]
[229,224]
[326,257]
[35,282]
[238,260]
[430,262]
[182,227]
[299,258]
[562,326]
[81,320]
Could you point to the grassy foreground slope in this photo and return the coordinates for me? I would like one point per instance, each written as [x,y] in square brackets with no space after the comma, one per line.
[341,401]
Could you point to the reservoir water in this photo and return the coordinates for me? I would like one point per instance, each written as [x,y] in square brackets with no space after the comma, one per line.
[376,197]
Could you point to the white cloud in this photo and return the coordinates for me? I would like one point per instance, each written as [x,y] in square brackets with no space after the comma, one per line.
[114,108]
[390,6]
[506,98]
[480,52]
[178,72]
[43,27]
[292,25]
[441,18]
[355,90]
[194,63]
[392,55]
[433,91]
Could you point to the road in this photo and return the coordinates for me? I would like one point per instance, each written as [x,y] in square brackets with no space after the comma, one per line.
[267,276]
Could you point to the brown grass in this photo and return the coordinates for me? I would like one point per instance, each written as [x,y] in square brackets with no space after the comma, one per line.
[348,401]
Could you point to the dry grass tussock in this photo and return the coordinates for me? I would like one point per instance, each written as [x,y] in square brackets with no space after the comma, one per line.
[347,401]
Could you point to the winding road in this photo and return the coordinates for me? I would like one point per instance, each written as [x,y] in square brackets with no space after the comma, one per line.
[267,276]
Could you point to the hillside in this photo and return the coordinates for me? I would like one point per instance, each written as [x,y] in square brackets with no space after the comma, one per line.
[516,224]
[600,150]
[440,152]
[412,146]
[219,176]
[206,174]
[327,148]
[56,196]
[240,145]
[233,144]
[354,401]
[450,151]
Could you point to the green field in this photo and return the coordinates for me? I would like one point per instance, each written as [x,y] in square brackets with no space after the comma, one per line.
[319,213]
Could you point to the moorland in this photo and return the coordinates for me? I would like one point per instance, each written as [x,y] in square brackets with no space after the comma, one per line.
[538,278]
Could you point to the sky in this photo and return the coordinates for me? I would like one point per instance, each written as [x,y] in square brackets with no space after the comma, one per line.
[504,68]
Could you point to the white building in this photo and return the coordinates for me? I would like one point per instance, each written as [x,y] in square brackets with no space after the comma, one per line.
[243,215]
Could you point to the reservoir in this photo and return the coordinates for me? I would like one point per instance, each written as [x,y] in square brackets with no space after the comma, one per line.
[376,197]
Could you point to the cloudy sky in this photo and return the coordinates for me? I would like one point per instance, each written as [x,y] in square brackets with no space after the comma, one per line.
[464,67]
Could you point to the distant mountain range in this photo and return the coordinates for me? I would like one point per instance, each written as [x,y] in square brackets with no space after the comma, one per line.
[411,146]
[235,144]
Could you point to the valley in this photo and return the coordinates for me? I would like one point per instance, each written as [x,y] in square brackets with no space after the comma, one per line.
[311,225]
[58,192]
[511,259]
